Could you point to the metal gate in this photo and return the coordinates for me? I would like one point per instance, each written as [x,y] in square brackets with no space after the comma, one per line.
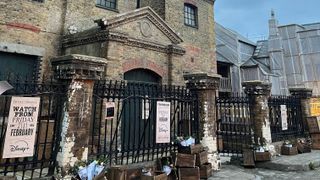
[129,135]
[43,162]
[234,129]
[290,127]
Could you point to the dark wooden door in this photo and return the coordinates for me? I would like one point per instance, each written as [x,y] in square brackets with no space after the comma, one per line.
[18,64]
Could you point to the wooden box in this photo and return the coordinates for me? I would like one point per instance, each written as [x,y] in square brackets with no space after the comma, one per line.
[189,173]
[201,158]
[248,158]
[185,160]
[262,156]
[193,149]
[315,141]
[303,148]
[313,125]
[206,171]
[155,176]
[124,173]
[289,150]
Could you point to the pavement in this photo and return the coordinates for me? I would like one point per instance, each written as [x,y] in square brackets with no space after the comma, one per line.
[233,172]
[302,166]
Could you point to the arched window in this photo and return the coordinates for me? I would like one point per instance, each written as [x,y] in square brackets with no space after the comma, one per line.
[190,15]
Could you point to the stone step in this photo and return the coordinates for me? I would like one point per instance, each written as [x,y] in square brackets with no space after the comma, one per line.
[300,162]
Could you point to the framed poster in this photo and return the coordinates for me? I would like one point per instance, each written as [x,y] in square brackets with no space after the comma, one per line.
[163,122]
[21,128]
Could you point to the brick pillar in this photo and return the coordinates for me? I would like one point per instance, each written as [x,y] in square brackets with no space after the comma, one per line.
[79,73]
[206,87]
[258,93]
[305,95]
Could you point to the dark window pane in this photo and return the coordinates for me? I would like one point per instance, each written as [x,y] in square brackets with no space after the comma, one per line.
[107,3]
[190,15]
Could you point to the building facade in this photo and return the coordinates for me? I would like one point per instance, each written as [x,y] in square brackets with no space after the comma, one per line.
[144,40]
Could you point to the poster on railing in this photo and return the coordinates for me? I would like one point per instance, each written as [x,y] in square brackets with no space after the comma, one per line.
[21,128]
[110,110]
[315,106]
[284,117]
[163,122]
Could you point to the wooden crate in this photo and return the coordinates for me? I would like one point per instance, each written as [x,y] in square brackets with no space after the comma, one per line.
[124,173]
[303,148]
[262,156]
[189,173]
[193,149]
[201,158]
[315,141]
[155,176]
[313,125]
[248,158]
[289,150]
[185,160]
[206,171]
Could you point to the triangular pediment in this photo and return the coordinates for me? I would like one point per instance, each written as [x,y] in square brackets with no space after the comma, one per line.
[142,24]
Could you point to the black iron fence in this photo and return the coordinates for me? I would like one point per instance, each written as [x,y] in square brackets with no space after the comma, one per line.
[128,135]
[285,118]
[43,161]
[234,129]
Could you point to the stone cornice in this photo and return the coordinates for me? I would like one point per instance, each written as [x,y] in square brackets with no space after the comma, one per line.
[256,88]
[145,12]
[105,35]
[202,81]
[76,66]
[301,92]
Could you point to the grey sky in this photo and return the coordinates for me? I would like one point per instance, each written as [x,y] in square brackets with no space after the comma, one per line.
[250,17]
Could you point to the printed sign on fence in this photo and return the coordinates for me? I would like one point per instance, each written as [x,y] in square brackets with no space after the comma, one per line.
[284,117]
[163,122]
[315,106]
[110,110]
[21,128]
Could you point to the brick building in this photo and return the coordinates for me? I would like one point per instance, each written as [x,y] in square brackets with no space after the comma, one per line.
[148,40]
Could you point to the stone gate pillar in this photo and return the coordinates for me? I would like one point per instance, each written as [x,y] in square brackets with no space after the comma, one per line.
[206,88]
[305,95]
[258,93]
[79,73]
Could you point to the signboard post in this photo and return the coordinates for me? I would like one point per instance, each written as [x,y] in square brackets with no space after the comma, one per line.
[284,117]
[21,128]
[163,122]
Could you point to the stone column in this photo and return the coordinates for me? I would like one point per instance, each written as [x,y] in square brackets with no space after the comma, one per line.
[305,95]
[258,93]
[206,88]
[79,73]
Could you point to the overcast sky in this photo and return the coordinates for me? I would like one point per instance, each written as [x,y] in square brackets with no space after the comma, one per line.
[250,17]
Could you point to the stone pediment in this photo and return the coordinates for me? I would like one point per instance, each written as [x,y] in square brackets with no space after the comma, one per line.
[143,24]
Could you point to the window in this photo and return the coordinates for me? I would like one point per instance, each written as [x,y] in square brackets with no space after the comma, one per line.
[190,15]
[109,4]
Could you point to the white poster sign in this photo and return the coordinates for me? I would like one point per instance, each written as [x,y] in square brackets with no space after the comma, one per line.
[22,126]
[163,122]
[110,110]
[4,86]
[284,117]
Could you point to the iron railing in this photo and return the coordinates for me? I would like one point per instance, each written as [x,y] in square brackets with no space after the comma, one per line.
[129,136]
[43,162]
[225,85]
[234,129]
[290,127]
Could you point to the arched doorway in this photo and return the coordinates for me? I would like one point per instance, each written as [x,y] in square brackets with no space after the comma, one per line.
[142,75]
[138,120]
